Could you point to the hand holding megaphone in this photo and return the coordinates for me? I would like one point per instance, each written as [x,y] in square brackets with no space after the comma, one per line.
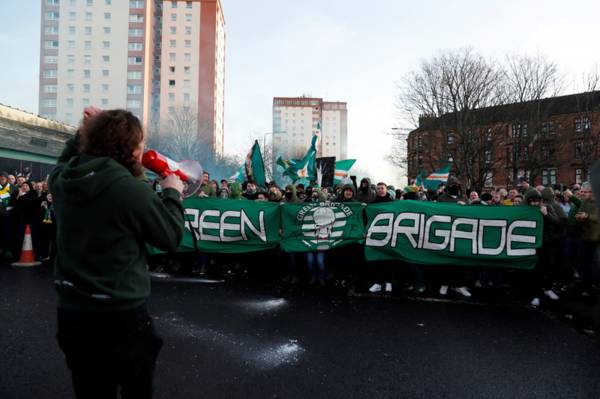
[172,181]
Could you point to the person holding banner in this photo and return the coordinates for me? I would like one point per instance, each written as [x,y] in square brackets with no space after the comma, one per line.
[105,216]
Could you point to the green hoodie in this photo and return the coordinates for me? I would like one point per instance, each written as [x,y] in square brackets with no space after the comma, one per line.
[105,217]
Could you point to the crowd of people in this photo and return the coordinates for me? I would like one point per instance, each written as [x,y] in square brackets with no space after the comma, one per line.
[24,202]
[567,258]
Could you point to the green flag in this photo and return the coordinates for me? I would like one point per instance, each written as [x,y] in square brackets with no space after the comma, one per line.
[255,167]
[320,226]
[342,169]
[239,175]
[439,176]
[450,234]
[304,168]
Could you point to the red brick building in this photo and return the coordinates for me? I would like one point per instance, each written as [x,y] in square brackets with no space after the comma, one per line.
[548,141]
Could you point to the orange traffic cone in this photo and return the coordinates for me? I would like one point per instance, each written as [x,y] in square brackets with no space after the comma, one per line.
[27,256]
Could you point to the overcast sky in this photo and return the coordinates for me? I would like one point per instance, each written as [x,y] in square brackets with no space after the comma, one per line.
[341,50]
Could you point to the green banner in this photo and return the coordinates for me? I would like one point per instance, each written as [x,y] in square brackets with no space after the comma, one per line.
[450,234]
[230,226]
[320,226]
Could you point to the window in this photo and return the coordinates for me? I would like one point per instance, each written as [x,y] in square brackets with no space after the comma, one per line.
[87,59]
[71,44]
[516,130]
[106,44]
[135,46]
[136,18]
[52,2]
[578,176]
[134,103]
[186,97]
[488,156]
[134,89]
[577,123]
[136,32]
[488,134]
[108,2]
[85,102]
[72,15]
[188,43]
[86,88]
[172,69]
[579,150]
[70,87]
[50,59]
[173,29]
[70,102]
[49,88]
[172,57]
[87,73]
[172,83]
[174,4]
[51,30]
[172,43]
[187,70]
[188,17]
[134,60]
[171,110]
[134,75]
[51,44]
[188,4]
[489,179]
[107,16]
[524,130]
[107,30]
[88,30]
[106,59]
[188,30]
[49,103]
[88,16]
[89,3]
[136,4]
[173,17]
[49,73]
[87,45]
[52,16]
[586,124]
[72,30]
[548,176]
[188,57]
[171,97]
[72,3]
[104,87]
[105,73]
[450,138]
[104,101]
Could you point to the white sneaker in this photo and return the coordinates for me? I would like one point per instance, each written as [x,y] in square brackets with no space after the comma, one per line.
[550,294]
[463,291]
[375,288]
[444,290]
[535,302]
[388,287]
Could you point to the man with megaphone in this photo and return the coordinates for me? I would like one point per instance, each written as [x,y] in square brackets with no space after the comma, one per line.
[105,215]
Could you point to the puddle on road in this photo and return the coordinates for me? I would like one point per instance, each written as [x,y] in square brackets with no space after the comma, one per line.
[253,351]
[170,278]
[264,305]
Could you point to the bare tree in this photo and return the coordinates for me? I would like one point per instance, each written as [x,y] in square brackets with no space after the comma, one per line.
[455,94]
[530,82]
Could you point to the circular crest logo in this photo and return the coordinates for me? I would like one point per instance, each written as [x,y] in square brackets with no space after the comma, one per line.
[323,226]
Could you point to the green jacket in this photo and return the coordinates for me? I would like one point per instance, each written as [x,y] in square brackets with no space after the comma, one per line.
[573,226]
[105,217]
[590,230]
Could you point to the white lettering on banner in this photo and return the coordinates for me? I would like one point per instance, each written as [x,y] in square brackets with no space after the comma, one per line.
[380,228]
[445,234]
[211,225]
[386,228]
[483,223]
[467,235]
[512,237]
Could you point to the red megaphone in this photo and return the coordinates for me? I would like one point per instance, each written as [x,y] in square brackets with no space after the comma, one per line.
[188,171]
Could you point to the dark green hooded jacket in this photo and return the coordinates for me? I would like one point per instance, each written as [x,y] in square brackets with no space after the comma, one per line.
[294,198]
[557,229]
[105,217]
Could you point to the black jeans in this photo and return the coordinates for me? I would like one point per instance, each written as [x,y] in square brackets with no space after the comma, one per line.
[108,350]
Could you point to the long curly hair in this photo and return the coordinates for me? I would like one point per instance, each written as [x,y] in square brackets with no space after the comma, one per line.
[114,134]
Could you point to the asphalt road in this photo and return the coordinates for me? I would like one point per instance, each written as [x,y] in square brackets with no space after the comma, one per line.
[242,341]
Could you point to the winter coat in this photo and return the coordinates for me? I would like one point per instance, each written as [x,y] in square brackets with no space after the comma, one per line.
[366,195]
